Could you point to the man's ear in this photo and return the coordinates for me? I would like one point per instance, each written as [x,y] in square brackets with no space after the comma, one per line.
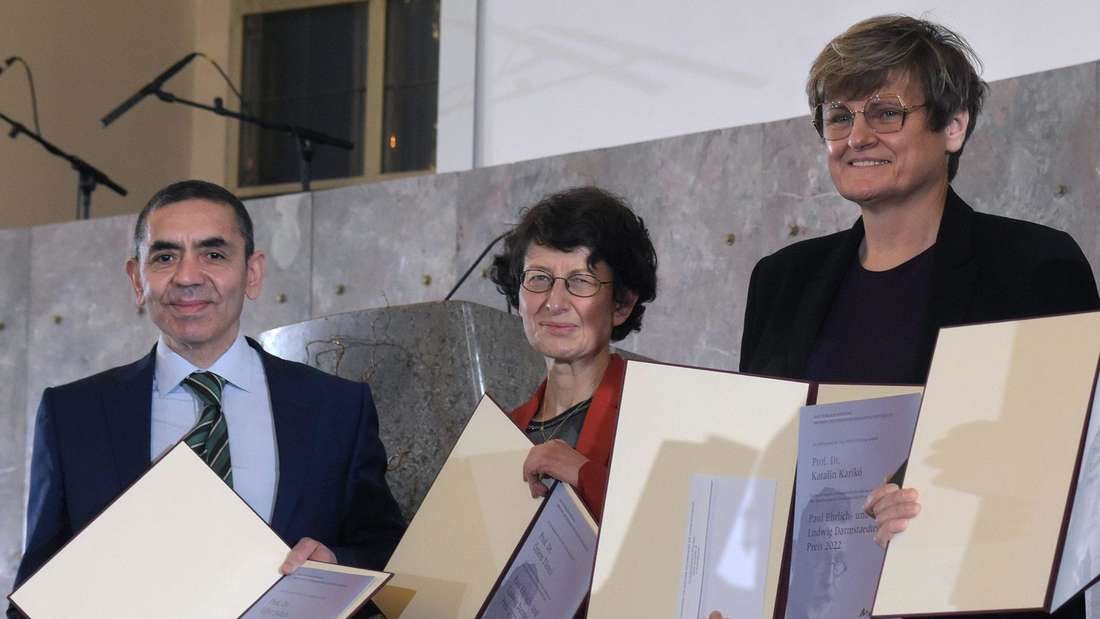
[133,271]
[255,266]
[956,130]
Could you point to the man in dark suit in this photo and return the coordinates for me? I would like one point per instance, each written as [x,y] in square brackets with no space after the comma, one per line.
[301,447]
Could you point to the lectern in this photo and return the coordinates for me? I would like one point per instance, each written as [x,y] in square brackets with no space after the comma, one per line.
[428,365]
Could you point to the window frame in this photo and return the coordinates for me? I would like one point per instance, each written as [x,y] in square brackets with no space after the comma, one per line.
[368,145]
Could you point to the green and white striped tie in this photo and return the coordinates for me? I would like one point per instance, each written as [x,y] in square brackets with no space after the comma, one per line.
[210,436]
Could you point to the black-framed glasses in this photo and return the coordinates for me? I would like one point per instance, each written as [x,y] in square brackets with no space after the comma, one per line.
[884,113]
[577,284]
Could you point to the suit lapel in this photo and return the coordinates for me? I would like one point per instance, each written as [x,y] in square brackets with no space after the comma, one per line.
[955,269]
[127,411]
[294,436]
[818,298]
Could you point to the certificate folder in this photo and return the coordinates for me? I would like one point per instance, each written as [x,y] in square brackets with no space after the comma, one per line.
[997,458]
[550,572]
[676,423]
[178,542]
[468,526]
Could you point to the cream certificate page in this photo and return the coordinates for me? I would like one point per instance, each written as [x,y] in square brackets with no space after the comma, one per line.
[154,553]
[468,525]
[993,457]
[674,423]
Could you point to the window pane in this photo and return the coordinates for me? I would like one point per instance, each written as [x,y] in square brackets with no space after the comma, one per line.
[412,84]
[303,67]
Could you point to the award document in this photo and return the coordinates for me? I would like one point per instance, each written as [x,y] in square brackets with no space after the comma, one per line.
[1001,460]
[154,553]
[551,571]
[674,423]
[723,569]
[318,590]
[844,451]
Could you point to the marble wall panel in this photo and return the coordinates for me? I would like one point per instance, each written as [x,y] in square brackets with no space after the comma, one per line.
[490,202]
[15,277]
[1033,154]
[83,317]
[1092,202]
[698,195]
[485,210]
[799,199]
[283,231]
[385,244]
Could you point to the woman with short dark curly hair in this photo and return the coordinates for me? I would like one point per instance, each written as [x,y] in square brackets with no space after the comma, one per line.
[580,268]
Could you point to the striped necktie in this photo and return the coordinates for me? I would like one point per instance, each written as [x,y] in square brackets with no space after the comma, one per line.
[210,436]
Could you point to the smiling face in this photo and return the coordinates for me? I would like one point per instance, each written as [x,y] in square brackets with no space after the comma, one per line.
[905,166]
[562,326]
[192,275]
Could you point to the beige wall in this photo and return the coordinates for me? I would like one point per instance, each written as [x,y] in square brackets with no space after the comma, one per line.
[87,57]
[209,132]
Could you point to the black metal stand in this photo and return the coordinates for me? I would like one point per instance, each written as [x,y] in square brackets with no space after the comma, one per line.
[307,138]
[305,162]
[474,266]
[84,188]
[90,177]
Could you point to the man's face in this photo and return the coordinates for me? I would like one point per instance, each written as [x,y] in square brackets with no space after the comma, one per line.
[873,169]
[192,275]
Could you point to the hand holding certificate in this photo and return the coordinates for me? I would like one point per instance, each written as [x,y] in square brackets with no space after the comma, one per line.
[844,449]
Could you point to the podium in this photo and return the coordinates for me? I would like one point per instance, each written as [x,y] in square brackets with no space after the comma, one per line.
[428,366]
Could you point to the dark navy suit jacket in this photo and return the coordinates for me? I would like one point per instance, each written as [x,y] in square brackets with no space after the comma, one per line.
[91,441]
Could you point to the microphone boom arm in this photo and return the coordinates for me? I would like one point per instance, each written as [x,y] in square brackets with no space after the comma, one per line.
[306,137]
[148,89]
[90,176]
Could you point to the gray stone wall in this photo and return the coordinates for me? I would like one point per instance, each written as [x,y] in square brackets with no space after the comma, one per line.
[15,277]
[715,203]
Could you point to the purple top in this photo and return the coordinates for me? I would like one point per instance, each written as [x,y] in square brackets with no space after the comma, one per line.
[874,325]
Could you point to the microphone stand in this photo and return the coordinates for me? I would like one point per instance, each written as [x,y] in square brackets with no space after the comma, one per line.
[473,266]
[307,138]
[90,177]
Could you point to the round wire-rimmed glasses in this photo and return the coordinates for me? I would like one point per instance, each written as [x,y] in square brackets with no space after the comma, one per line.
[577,284]
[884,113]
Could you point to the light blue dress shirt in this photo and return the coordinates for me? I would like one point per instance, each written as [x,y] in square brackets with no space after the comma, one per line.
[246,404]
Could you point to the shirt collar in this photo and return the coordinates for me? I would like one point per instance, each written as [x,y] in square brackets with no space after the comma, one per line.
[239,366]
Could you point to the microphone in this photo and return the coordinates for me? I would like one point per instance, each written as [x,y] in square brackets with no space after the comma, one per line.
[150,88]
[30,80]
[10,61]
